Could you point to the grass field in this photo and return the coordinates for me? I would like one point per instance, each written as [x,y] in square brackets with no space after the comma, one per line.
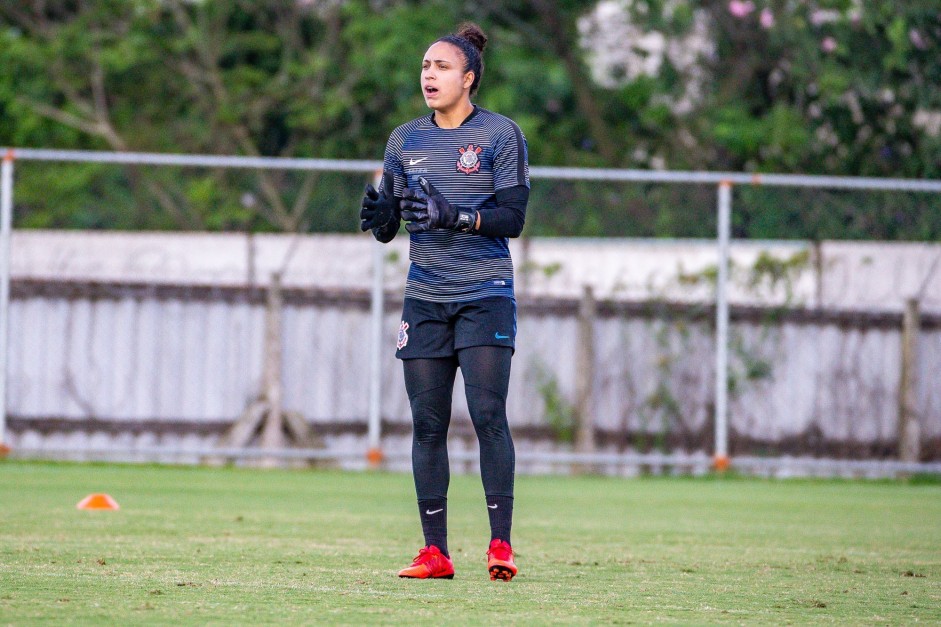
[224,545]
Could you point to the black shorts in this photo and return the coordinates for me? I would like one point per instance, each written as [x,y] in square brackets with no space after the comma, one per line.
[433,330]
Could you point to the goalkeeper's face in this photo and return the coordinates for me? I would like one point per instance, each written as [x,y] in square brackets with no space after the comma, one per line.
[444,83]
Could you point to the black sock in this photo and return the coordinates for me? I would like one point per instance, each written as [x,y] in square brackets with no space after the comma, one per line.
[500,509]
[434,522]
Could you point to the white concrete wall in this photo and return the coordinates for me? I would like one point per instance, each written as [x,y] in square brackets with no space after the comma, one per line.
[843,275]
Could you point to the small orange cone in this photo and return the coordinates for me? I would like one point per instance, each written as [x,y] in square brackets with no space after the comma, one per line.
[721,463]
[98,501]
[374,456]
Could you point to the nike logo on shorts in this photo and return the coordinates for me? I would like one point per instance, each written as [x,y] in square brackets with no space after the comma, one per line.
[428,512]
[498,336]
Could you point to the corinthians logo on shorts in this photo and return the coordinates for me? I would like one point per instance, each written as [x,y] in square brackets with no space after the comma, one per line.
[469,161]
[403,336]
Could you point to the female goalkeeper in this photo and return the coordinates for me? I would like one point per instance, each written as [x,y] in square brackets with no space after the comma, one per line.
[459,178]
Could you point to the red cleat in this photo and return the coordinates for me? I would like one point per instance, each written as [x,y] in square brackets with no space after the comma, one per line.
[500,561]
[430,563]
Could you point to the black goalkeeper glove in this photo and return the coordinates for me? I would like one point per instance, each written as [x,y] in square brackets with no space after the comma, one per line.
[379,208]
[425,209]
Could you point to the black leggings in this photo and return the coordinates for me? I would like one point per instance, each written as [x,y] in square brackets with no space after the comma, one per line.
[429,383]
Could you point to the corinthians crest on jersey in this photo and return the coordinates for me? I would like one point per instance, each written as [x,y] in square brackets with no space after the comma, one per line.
[469,161]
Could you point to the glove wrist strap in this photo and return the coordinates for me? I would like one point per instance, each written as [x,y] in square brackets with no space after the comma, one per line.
[466,221]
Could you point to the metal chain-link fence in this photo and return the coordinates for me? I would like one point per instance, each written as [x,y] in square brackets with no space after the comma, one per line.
[767,354]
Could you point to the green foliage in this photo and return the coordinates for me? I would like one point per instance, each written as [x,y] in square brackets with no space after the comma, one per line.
[772,271]
[558,412]
[833,87]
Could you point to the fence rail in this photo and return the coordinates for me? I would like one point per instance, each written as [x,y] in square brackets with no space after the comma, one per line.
[538,172]
[653,461]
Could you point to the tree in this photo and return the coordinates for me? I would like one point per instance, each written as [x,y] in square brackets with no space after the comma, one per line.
[826,87]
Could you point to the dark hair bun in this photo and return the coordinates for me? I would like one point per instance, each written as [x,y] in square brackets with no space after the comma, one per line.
[472,33]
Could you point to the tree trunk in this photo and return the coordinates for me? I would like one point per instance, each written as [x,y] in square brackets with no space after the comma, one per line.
[272,435]
[909,427]
[584,376]
[561,38]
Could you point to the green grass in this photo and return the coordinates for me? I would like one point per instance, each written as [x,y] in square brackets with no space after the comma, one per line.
[224,545]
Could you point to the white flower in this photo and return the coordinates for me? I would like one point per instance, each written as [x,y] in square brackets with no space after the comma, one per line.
[821,16]
[620,51]
[928,121]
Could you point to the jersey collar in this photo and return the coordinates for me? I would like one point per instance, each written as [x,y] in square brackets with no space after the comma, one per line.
[466,120]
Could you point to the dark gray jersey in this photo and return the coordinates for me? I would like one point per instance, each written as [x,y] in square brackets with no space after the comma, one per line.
[467,165]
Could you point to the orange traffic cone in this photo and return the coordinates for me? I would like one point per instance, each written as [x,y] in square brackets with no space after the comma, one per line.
[98,501]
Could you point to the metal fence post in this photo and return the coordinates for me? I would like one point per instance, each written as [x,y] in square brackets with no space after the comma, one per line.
[721,457]
[374,433]
[6,227]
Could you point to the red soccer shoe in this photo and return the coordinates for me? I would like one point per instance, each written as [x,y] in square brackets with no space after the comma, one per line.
[500,561]
[430,563]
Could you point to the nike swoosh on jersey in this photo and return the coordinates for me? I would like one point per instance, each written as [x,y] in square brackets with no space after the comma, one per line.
[416,161]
